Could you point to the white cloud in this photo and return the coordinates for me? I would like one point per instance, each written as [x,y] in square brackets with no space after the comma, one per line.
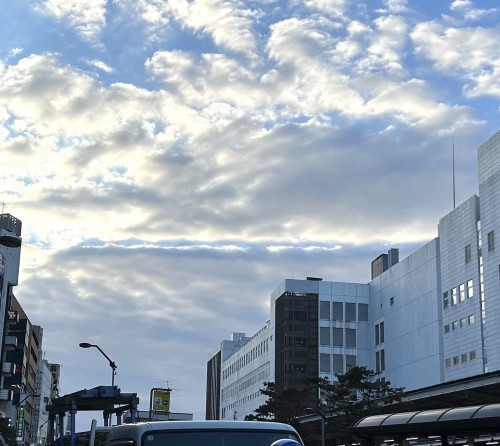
[87,17]
[467,11]
[243,142]
[470,53]
[101,65]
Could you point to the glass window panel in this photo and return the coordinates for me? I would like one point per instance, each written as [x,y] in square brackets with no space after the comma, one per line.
[338,311]
[324,335]
[338,337]
[324,310]
[350,312]
[324,363]
[350,361]
[338,364]
[363,312]
[350,337]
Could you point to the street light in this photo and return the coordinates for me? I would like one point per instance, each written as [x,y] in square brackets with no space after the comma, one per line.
[111,363]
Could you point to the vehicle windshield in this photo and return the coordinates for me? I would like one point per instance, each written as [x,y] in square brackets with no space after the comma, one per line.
[215,438]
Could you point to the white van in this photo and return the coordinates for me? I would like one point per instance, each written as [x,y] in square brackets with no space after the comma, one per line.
[201,433]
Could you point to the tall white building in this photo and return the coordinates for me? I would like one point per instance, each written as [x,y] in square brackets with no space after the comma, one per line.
[428,319]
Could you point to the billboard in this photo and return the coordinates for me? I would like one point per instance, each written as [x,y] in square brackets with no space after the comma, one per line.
[161,400]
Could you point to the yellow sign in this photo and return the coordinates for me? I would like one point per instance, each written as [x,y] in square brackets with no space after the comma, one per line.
[161,400]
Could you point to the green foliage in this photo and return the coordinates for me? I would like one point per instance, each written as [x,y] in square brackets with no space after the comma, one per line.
[357,394]
[7,432]
[282,407]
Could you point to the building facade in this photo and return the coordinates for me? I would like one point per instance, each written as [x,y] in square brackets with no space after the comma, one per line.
[428,319]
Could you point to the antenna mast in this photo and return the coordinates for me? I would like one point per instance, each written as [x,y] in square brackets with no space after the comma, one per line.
[453,158]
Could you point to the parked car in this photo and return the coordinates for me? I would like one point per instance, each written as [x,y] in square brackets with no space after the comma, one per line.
[202,433]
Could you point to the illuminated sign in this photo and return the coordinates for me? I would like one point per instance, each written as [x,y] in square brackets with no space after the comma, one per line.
[20,425]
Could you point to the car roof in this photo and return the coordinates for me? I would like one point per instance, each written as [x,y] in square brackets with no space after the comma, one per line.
[141,427]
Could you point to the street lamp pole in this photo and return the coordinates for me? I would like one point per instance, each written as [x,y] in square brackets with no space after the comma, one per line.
[111,363]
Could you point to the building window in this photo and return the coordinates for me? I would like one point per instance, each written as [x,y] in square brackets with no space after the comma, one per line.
[392,300]
[338,364]
[350,312]
[380,361]
[350,337]
[363,312]
[491,241]
[446,299]
[461,290]
[338,311]
[454,296]
[455,360]
[463,322]
[471,319]
[472,355]
[448,362]
[324,363]
[324,335]
[468,254]
[454,325]
[379,333]
[470,288]
[324,310]
[350,361]
[338,337]
[447,328]
[464,357]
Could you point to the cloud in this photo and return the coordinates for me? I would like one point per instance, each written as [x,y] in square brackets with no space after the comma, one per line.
[87,17]
[170,177]
[468,53]
[467,10]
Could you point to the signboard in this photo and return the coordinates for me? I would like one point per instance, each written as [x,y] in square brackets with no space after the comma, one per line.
[20,425]
[161,400]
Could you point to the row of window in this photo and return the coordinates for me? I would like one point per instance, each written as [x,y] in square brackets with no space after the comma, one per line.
[463,322]
[241,401]
[463,358]
[491,246]
[458,294]
[337,337]
[257,376]
[335,363]
[257,351]
[340,311]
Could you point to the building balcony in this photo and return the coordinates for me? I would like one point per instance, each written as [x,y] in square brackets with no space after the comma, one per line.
[5,395]
[7,369]
[10,342]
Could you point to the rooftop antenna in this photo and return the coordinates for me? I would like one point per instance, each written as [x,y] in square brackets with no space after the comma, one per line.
[453,157]
[3,205]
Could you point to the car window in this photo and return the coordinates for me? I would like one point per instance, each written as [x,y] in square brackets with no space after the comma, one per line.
[215,438]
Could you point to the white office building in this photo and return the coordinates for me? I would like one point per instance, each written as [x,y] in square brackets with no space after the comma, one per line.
[428,319]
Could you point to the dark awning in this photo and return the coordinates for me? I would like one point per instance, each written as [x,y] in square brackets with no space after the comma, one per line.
[481,419]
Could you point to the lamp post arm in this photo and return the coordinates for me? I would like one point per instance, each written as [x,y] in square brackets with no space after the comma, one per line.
[111,363]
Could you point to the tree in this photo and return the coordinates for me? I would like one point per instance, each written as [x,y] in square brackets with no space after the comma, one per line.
[283,407]
[7,431]
[357,394]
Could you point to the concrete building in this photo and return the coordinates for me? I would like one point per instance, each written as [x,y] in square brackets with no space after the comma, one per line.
[431,318]
[10,256]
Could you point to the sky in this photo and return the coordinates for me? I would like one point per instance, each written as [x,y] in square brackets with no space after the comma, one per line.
[172,162]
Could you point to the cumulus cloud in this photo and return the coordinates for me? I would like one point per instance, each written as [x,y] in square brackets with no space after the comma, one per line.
[470,53]
[87,17]
[173,179]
